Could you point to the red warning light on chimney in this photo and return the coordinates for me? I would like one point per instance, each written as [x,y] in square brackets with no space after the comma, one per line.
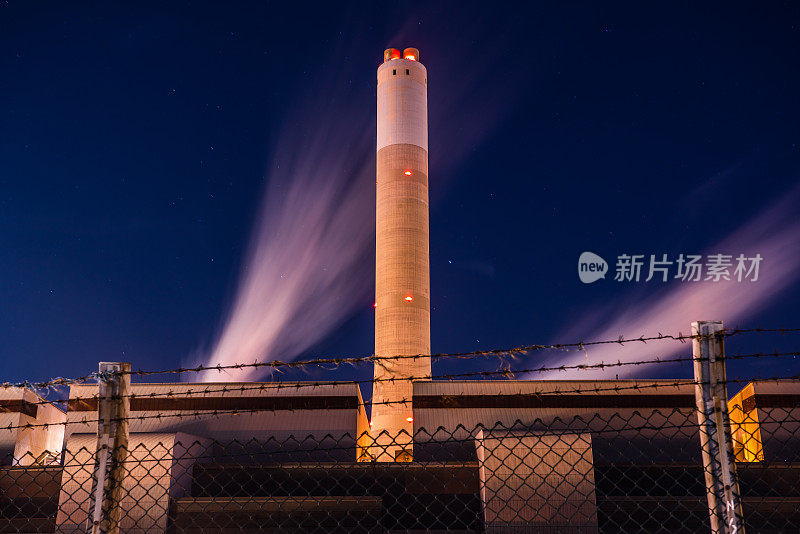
[411,54]
[390,54]
[408,172]
[409,298]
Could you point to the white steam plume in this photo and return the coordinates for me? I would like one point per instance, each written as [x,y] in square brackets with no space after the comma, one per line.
[308,265]
[775,234]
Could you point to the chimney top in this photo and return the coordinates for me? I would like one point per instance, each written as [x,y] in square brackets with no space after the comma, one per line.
[412,54]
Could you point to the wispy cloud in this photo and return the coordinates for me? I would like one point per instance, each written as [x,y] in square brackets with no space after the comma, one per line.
[309,262]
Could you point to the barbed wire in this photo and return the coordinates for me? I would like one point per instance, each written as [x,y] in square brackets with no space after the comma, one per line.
[461,355]
[448,377]
[557,391]
[580,345]
[198,413]
[56,382]
[507,373]
[333,383]
[278,364]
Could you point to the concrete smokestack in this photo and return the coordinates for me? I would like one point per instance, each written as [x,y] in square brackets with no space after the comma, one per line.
[402,265]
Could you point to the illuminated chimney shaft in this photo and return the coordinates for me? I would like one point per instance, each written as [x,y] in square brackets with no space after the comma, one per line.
[402,266]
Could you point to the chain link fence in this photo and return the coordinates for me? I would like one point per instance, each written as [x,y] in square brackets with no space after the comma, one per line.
[633,471]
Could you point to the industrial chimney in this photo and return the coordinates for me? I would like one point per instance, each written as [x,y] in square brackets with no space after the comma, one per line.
[402,266]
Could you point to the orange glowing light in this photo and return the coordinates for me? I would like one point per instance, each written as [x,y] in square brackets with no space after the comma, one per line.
[407,173]
[374,304]
[411,54]
[410,419]
[391,53]
[409,298]
[370,423]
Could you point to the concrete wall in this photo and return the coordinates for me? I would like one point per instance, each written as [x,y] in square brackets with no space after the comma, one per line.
[158,467]
[537,482]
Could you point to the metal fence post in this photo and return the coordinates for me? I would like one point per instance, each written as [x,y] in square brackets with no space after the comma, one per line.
[113,406]
[711,395]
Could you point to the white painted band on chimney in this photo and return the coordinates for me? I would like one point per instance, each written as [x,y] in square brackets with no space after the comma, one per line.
[402,104]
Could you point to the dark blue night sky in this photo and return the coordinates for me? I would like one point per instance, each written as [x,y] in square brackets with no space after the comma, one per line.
[136,142]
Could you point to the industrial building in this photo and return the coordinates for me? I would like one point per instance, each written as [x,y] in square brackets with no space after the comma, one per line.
[580,456]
